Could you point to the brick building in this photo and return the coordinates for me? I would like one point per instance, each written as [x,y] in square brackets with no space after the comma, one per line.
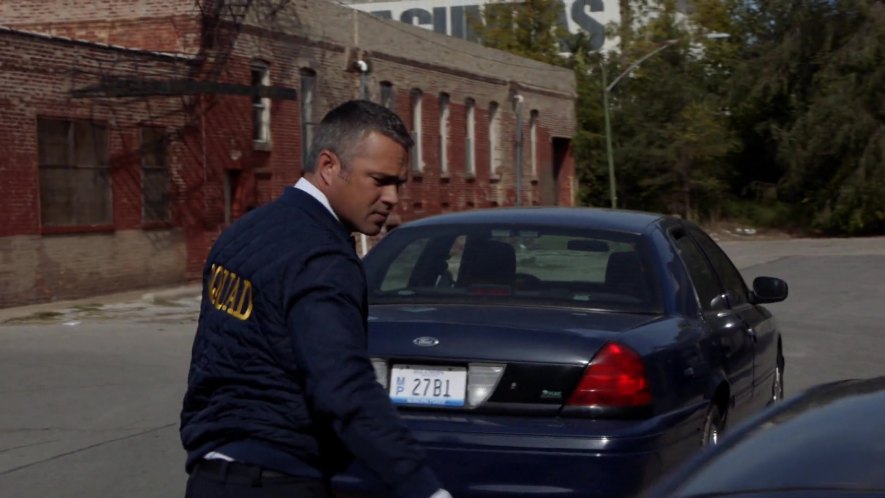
[132,133]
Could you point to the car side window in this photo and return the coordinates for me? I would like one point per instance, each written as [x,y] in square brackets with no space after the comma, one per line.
[401,270]
[730,276]
[702,274]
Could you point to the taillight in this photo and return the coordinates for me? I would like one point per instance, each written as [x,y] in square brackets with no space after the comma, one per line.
[615,378]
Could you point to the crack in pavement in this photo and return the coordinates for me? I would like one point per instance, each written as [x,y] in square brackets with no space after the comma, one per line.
[86,448]
[4,450]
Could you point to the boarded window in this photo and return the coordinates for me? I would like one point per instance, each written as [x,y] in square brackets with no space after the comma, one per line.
[494,138]
[260,105]
[154,175]
[75,184]
[387,94]
[533,143]
[470,138]
[417,132]
[444,133]
[308,104]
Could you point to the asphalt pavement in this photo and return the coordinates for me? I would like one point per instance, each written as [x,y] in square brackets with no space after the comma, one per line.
[91,389]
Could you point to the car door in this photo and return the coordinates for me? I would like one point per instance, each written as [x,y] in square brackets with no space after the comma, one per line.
[729,344]
[759,323]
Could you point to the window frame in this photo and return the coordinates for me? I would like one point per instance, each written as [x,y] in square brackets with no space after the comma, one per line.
[155,168]
[417,104]
[444,113]
[386,95]
[470,137]
[440,245]
[307,106]
[706,304]
[69,164]
[261,131]
[533,142]
[494,137]
[723,266]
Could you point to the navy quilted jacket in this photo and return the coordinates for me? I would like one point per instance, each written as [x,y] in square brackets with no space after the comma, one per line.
[279,375]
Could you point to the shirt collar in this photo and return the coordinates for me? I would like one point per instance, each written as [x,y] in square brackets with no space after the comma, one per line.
[310,189]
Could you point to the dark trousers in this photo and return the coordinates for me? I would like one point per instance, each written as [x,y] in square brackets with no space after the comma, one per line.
[220,479]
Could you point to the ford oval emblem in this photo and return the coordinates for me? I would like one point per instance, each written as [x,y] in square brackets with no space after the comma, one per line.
[426,341]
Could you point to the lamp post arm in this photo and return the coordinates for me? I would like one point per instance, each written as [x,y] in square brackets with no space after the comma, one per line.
[636,64]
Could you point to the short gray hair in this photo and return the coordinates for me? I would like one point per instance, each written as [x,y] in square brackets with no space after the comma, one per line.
[344,126]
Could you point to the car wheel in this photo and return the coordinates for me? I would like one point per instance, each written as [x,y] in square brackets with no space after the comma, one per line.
[777,385]
[714,425]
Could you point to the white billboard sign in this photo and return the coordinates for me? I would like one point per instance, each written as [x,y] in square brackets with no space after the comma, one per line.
[453,17]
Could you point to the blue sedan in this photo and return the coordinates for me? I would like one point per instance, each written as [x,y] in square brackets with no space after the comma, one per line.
[565,352]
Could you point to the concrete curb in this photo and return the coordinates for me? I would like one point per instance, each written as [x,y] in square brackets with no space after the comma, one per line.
[152,296]
[171,294]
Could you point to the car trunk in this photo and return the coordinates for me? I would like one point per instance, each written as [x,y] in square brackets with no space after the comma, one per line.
[488,358]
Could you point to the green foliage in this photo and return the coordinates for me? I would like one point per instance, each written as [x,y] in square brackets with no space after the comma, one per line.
[762,213]
[810,99]
[670,134]
[530,29]
[783,122]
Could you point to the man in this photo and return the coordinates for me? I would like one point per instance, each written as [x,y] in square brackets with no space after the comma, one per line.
[281,394]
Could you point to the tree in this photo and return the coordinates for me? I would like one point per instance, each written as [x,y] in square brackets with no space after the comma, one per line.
[807,99]
[670,131]
[529,29]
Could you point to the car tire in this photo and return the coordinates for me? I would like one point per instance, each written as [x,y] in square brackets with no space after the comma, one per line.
[714,426]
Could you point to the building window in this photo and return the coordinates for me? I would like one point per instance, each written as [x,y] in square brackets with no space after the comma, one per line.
[417,150]
[308,87]
[533,143]
[470,139]
[75,182]
[154,175]
[260,105]
[444,133]
[386,94]
[494,138]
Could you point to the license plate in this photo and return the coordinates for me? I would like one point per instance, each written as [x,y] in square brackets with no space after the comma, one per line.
[428,385]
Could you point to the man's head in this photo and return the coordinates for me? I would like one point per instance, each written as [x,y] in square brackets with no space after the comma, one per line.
[358,159]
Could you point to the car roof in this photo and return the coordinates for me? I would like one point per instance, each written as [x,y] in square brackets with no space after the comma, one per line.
[602,219]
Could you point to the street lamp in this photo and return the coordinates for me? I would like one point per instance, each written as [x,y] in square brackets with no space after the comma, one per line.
[606,90]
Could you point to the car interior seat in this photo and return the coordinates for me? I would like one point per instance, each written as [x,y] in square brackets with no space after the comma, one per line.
[624,274]
[487,262]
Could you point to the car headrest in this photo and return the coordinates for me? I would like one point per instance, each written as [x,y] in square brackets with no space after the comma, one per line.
[624,274]
[487,262]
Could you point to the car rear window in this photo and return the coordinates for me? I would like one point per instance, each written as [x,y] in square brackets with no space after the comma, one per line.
[513,265]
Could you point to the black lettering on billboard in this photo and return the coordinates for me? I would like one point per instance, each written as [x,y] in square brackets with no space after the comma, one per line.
[439,20]
[595,30]
[422,17]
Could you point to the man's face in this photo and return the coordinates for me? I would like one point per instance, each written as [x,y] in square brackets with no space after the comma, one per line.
[364,191]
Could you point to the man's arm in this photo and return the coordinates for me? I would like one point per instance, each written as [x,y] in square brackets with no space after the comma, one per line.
[329,337]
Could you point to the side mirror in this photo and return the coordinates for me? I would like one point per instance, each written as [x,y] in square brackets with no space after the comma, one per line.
[769,290]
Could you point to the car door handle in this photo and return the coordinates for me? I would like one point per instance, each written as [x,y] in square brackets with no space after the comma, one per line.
[752,333]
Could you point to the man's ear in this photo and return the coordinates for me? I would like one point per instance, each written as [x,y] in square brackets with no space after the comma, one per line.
[328,166]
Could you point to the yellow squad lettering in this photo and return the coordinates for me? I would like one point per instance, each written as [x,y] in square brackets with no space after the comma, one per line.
[230,293]
[245,300]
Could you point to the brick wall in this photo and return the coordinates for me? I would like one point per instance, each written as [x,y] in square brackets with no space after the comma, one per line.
[37,268]
[213,160]
[41,263]
[412,58]
[162,25]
